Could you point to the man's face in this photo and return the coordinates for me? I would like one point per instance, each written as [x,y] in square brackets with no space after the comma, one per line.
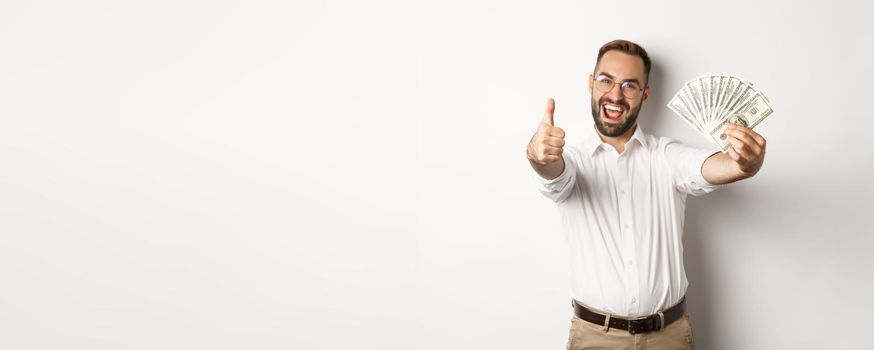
[614,112]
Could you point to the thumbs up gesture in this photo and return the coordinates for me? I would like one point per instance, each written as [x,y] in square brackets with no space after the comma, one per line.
[547,144]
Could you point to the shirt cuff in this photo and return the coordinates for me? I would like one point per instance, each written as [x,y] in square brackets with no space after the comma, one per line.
[560,181]
[698,179]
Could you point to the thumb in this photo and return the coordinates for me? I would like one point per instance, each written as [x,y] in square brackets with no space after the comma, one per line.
[548,113]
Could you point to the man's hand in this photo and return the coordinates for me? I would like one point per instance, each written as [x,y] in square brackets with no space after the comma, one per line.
[547,145]
[748,149]
[744,158]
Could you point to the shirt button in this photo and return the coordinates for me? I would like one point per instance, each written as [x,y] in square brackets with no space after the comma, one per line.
[633,300]
[622,192]
[626,225]
[630,263]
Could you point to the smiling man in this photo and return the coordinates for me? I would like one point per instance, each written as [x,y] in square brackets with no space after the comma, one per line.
[622,194]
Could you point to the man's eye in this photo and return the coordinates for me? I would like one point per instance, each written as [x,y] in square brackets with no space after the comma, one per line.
[605,80]
[630,86]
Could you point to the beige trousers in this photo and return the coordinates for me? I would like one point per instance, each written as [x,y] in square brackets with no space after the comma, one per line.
[586,335]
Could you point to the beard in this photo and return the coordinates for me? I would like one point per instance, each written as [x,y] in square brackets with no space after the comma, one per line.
[612,130]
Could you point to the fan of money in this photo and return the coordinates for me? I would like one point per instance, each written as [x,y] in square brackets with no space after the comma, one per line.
[711,101]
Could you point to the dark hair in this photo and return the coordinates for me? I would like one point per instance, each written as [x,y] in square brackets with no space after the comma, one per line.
[629,48]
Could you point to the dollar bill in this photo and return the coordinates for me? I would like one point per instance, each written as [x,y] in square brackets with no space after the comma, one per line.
[681,107]
[704,82]
[749,115]
[691,95]
[710,102]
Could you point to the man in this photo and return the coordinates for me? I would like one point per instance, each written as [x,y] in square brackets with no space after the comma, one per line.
[622,195]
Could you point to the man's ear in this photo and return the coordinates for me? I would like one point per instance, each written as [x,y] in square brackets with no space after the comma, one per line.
[645,93]
[591,83]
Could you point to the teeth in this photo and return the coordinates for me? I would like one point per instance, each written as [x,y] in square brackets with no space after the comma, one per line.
[613,108]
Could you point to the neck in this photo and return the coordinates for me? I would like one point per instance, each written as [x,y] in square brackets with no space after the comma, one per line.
[618,142]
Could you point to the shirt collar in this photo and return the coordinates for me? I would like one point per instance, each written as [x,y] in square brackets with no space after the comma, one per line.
[593,140]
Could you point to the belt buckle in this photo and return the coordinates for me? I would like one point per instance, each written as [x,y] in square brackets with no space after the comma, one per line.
[631,323]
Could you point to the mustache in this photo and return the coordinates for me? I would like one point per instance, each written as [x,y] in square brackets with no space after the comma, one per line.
[622,103]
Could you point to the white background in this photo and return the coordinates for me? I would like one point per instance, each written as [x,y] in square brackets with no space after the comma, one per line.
[327,175]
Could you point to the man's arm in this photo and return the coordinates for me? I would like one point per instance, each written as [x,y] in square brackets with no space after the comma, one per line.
[743,160]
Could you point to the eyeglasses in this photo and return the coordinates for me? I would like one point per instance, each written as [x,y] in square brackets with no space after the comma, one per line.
[630,89]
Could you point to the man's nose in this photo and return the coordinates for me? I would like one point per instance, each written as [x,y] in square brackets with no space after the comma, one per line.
[616,92]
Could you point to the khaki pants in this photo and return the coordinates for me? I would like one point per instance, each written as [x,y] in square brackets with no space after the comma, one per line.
[586,335]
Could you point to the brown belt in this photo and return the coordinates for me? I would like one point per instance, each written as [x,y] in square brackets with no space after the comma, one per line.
[637,325]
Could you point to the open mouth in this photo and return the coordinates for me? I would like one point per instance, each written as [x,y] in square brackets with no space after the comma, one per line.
[612,112]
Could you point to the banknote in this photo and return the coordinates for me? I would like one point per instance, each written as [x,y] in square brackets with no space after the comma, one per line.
[710,102]
[749,115]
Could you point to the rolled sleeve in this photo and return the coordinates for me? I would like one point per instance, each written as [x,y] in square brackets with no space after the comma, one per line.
[686,163]
[559,188]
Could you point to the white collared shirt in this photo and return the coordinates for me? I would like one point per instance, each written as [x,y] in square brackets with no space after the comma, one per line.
[622,216]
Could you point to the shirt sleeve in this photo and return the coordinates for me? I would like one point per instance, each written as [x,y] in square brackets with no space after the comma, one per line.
[686,163]
[559,188]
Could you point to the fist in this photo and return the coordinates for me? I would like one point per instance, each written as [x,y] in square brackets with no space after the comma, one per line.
[547,144]
[747,149]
